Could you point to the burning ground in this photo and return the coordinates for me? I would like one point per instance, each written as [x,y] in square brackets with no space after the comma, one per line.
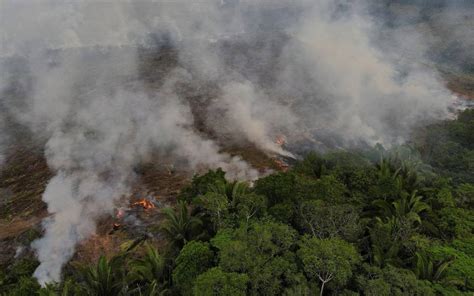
[25,175]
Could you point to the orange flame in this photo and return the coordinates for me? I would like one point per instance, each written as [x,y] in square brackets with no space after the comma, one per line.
[280,140]
[144,203]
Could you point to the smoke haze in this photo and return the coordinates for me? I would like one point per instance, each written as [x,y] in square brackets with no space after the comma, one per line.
[327,72]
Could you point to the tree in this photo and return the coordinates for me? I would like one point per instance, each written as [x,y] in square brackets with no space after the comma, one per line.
[328,260]
[148,272]
[327,188]
[200,184]
[313,165]
[456,222]
[106,278]
[277,188]
[250,205]
[375,281]
[461,270]
[215,282]
[195,258]
[406,208]
[386,240]
[224,198]
[216,205]
[432,270]
[324,220]
[263,252]
[179,226]
[232,191]
[24,287]
[465,195]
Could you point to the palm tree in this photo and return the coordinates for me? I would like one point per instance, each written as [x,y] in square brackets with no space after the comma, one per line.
[409,178]
[383,257]
[148,273]
[106,278]
[405,172]
[407,208]
[387,168]
[385,237]
[433,271]
[232,190]
[179,225]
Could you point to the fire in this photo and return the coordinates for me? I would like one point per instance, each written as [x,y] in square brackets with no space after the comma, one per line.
[280,140]
[144,203]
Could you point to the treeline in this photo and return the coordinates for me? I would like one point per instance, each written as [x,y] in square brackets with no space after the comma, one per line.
[448,147]
[371,222]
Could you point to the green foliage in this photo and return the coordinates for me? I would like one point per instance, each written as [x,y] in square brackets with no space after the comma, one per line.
[374,222]
[226,203]
[461,270]
[391,281]
[216,282]
[25,286]
[216,205]
[17,277]
[326,220]
[449,148]
[106,278]
[148,273]
[200,184]
[386,238]
[250,206]
[263,252]
[407,208]
[283,212]
[456,222]
[195,258]
[465,195]
[232,191]
[428,269]
[328,260]
[180,226]
[277,188]
[313,165]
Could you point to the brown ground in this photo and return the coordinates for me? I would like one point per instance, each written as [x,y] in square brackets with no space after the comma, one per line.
[24,178]
[463,87]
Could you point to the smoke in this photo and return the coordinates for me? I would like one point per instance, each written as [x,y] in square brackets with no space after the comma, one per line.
[95,116]
[353,85]
[245,70]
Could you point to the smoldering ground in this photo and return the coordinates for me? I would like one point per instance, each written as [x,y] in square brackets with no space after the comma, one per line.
[315,71]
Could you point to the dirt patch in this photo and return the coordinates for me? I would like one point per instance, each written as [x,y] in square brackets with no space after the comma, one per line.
[23,180]
[17,226]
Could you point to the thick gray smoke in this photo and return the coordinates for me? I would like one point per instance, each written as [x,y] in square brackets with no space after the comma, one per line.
[314,70]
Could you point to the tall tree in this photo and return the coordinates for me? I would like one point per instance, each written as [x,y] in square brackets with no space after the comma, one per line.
[179,225]
[195,258]
[148,272]
[216,282]
[328,260]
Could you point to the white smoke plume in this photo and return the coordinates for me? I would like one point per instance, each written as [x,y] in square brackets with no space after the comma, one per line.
[351,86]
[260,68]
